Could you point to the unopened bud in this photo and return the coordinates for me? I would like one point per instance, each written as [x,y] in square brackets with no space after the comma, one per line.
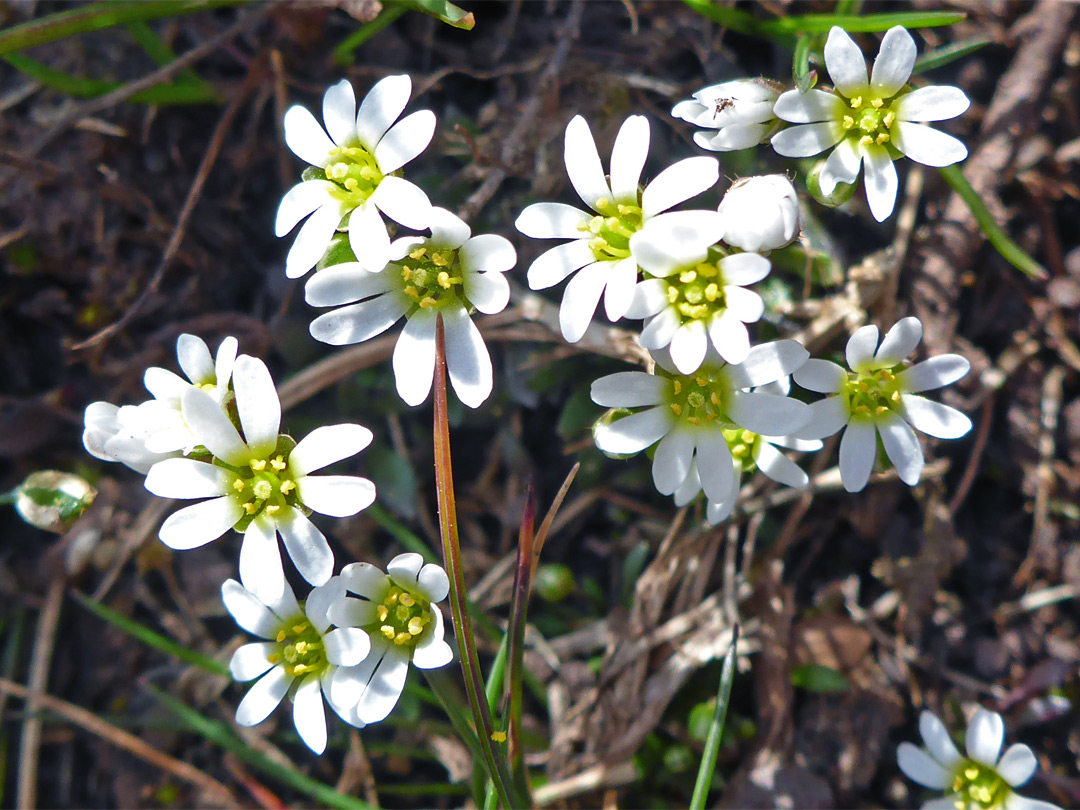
[53,500]
[760,213]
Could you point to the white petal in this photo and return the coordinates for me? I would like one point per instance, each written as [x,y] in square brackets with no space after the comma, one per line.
[556,264]
[365,580]
[690,488]
[403,202]
[552,220]
[634,433]
[165,385]
[404,569]
[488,292]
[744,268]
[861,347]
[224,361]
[899,342]
[804,140]
[306,546]
[858,451]
[658,330]
[880,181]
[433,653]
[212,427]
[933,418]
[335,495]
[380,108]
[822,376]
[620,290]
[384,688]
[985,734]
[1016,802]
[779,467]
[187,478]
[746,305]
[809,107]
[339,112]
[947,802]
[325,445]
[260,561]
[368,237]
[257,404]
[845,63]
[487,253]
[689,344]
[1017,765]
[406,139]
[284,605]
[937,740]
[263,697]
[299,201]
[628,158]
[629,389]
[662,254]
[733,137]
[467,360]
[920,767]
[583,163]
[194,358]
[768,362]
[358,322]
[842,166]
[433,583]
[248,611]
[414,358]
[580,299]
[309,716]
[346,646]
[894,62]
[718,511]
[197,525]
[305,137]
[685,234]
[827,416]
[678,183]
[320,600]
[716,468]
[767,414]
[671,463]
[251,660]
[355,613]
[926,145]
[729,337]
[902,447]
[313,238]
[932,104]
[650,296]
[933,373]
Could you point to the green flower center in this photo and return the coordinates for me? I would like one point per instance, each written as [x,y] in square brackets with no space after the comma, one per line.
[264,487]
[299,648]
[432,277]
[611,229]
[702,398]
[402,617]
[869,120]
[354,170]
[871,394]
[978,785]
[743,444]
[697,293]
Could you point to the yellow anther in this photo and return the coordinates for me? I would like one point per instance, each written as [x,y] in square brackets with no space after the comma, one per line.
[302,647]
[388,631]
[406,273]
[412,292]
[278,463]
[712,292]
[676,408]
[672,294]
[890,116]
[439,260]
[865,140]
[702,382]
[686,276]
[382,611]
[848,122]
[443,280]
[693,420]
[272,509]
[714,398]
[971,773]
[419,253]
[876,103]
[258,465]
[273,658]
[238,484]
[401,638]
[281,636]
[856,102]
[392,597]
[863,386]
[351,183]
[300,628]
[416,625]
[406,599]
[287,487]
[428,302]
[677,386]
[881,409]
[895,396]
[883,137]
[249,508]
[748,437]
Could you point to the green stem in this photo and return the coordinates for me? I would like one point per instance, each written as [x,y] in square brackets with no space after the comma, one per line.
[1011,251]
[716,729]
[516,632]
[343,53]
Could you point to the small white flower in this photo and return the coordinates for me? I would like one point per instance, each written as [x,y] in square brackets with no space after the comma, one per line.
[694,296]
[741,111]
[299,655]
[398,611]
[603,252]
[984,779]
[760,213]
[356,173]
[261,484]
[113,433]
[878,398]
[871,120]
[689,415]
[450,272]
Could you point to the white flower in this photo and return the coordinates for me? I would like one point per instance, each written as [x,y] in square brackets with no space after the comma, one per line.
[760,213]
[689,414]
[741,111]
[878,398]
[873,120]
[261,484]
[114,433]
[694,295]
[450,272]
[299,656]
[984,779]
[603,252]
[356,173]
[398,610]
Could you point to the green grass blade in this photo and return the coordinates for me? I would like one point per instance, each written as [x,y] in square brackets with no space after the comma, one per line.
[949,53]
[716,729]
[151,638]
[444,11]
[746,23]
[219,734]
[401,532]
[343,53]
[96,16]
[1009,250]
[805,77]
[157,50]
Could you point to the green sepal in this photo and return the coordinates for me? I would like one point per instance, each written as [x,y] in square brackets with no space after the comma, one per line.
[339,252]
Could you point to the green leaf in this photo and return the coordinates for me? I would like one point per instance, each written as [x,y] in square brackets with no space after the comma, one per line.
[805,77]
[818,678]
[343,53]
[949,53]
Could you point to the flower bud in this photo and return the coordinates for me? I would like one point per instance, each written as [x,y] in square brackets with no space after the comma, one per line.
[53,500]
[840,194]
[741,111]
[760,213]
